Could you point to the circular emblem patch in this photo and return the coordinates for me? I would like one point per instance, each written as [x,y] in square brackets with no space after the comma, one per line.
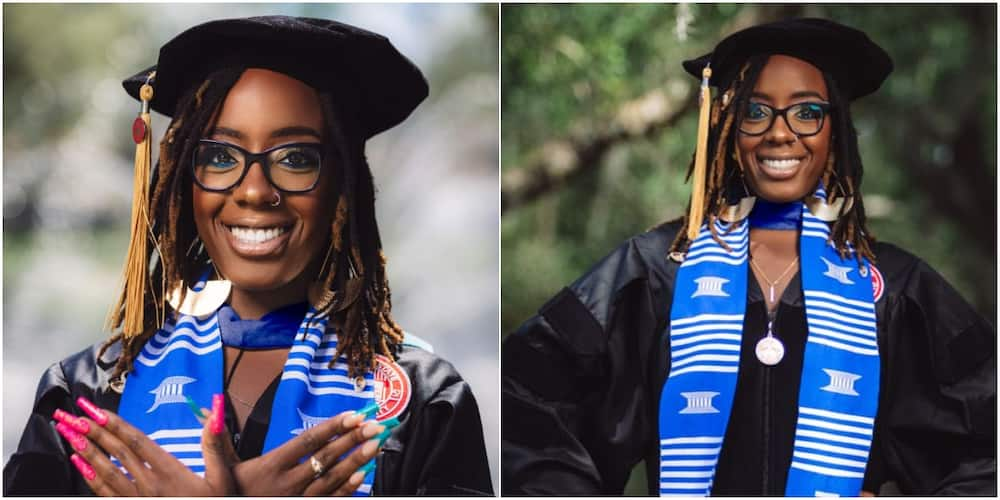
[878,285]
[392,388]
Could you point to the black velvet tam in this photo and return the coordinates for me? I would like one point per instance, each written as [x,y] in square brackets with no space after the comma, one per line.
[359,68]
[857,64]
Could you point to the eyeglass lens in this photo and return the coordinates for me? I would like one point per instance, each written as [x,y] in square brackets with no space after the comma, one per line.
[803,119]
[291,168]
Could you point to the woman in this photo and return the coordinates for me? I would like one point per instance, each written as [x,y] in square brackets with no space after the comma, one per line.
[261,287]
[765,344]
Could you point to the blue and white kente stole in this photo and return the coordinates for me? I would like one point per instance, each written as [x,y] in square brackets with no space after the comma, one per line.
[838,395]
[185,359]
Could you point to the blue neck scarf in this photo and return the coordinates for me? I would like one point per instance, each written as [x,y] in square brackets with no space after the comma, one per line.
[185,359]
[838,393]
[274,330]
[767,215]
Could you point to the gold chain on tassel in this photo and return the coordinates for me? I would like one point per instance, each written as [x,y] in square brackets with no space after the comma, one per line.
[697,211]
[136,272]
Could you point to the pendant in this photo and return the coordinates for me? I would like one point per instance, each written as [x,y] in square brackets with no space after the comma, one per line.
[770,350]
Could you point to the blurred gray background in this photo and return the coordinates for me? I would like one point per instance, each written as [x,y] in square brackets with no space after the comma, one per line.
[67,179]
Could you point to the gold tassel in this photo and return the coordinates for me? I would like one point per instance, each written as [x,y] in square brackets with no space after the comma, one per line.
[697,211]
[136,271]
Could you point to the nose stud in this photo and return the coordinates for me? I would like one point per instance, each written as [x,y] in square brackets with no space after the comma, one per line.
[277,199]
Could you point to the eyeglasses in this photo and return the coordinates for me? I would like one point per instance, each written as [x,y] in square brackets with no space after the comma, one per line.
[292,168]
[803,119]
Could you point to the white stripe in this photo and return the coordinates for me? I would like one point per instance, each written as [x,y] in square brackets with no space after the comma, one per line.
[692,440]
[684,485]
[843,347]
[815,225]
[690,451]
[334,378]
[843,328]
[163,337]
[179,337]
[866,306]
[831,448]
[316,365]
[868,315]
[705,337]
[704,368]
[837,415]
[735,358]
[723,260]
[191,323]
[192,461]
[687,463]
[830,460]
[686,473]
[836,427]
[826,470]
[706,327]
[175,433]
[183,344]
[736,241]
[312,351]
[704,347]
[707,317]
[842,318]
[815,234]
[734,252]
[319,391]
[833,437]
[842,336]
[181,447]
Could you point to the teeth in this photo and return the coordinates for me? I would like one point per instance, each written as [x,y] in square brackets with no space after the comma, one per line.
[780,164]
[256,236]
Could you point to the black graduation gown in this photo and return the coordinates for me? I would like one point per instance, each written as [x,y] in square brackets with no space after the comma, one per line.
[581,384]
[438,448]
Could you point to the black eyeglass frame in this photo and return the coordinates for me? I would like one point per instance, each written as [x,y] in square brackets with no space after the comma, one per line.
[250,158]
[776,112]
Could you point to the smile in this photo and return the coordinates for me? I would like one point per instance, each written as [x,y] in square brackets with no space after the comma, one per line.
[780,164]
[256,235]
[258,242]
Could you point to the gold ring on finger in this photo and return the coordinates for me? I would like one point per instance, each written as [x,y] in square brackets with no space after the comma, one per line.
[317,467]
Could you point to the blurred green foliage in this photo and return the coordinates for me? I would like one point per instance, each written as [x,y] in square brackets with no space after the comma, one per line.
[927,138]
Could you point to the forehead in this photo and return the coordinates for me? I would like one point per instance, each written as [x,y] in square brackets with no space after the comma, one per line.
[786,76]
[267,100]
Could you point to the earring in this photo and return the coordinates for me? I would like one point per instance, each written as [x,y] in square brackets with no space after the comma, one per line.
[201,301]
[739,211]
[828,212]
[277,199]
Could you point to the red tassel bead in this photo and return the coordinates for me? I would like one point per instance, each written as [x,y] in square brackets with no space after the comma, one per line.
[138,130]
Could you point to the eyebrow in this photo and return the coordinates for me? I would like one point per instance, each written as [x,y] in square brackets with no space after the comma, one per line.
[795,95]
[281,132]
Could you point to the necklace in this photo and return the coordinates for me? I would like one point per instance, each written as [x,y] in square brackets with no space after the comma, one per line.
[769,349]
[770,283]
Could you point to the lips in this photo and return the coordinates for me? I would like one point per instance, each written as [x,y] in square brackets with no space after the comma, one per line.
[779,168]
[257,240]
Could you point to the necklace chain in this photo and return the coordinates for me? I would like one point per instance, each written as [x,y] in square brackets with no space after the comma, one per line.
[770,283]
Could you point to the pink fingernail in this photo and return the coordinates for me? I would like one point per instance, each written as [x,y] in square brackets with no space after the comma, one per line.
[83,467]
[218,414]
[92,411]
[77,424]
[78,442]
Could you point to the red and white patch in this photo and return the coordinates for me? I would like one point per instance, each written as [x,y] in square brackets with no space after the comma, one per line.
[878,284]
[392,388]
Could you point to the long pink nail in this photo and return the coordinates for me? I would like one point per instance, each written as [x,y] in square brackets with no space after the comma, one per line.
[77,424]
[95,413]
[83,467]
[218,414]
[78,442]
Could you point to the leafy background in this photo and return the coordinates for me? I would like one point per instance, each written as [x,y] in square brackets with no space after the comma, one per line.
[67,178]
[598,126]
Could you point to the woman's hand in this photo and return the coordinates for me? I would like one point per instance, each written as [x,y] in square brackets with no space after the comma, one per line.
[280,473]
[155,472]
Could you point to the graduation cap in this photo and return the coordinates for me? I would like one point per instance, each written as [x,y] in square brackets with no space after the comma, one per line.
[360,67]
[856,63]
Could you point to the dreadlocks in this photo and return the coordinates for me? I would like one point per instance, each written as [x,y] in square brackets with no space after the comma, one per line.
[351,284]
[724,180]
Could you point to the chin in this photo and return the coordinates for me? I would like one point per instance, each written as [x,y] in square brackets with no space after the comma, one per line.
[259,278]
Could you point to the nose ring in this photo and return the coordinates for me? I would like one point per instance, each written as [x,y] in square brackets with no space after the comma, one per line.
[277,199]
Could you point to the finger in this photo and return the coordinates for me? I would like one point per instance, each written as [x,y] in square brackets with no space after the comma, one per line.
[96,468]
[217,448]
[340,471]
[315,438]
[350,486]
[131,447]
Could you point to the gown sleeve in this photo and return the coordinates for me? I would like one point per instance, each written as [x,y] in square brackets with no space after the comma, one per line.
[938,410]
[438,449]
[41,465]
[581,379]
